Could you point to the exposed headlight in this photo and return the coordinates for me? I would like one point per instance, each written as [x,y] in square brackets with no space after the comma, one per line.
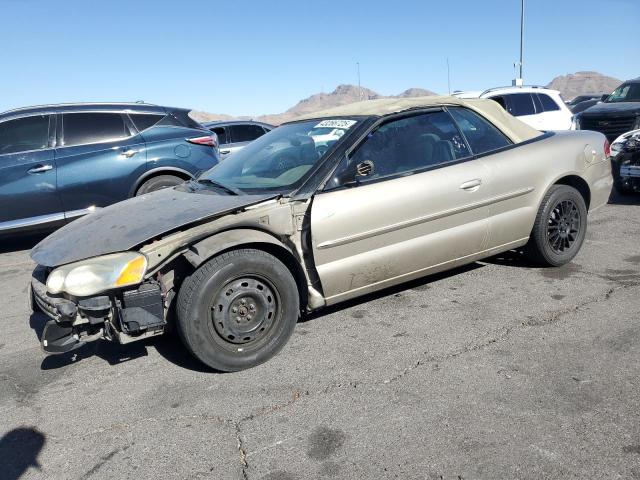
[96,275]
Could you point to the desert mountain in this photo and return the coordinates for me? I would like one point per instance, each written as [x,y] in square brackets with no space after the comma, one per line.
[570,85]
[581,83]
[342,95]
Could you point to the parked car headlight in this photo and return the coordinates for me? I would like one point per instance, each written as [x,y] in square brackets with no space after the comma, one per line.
[96,275]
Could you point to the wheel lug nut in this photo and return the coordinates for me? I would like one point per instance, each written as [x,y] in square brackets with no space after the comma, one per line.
[243,301]
[248,317]
[252,307]
[234,309]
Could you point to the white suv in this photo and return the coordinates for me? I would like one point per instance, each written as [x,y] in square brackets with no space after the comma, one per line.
[539,107]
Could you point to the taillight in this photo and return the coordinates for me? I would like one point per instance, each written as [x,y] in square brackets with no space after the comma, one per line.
[208,140]
[607,149]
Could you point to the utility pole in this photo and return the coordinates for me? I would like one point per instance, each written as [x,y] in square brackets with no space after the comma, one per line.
[359,86]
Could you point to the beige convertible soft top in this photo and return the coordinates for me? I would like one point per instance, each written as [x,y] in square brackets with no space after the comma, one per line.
[516,130]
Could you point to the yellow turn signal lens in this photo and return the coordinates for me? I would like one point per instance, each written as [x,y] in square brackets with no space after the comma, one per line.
[133,272]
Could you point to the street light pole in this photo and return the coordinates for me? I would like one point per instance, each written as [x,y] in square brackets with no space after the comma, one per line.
[521,36]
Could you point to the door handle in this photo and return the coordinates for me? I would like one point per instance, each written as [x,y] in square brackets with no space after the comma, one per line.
[224,152]
[471,185]
[129,153]
[40,169]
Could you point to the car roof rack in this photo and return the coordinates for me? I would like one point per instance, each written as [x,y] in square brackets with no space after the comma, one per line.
[77,104]
[489,90]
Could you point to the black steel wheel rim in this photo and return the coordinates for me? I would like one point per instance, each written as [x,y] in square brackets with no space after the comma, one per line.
[564,226]
[244,310]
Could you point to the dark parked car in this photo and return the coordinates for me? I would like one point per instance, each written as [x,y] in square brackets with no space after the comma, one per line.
[236,134]
[626,163]
[583,98]
[618,114]
[58,162]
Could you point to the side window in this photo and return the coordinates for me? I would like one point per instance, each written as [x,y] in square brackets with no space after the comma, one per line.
[84,128]
[406,145]
[24,134]
[245,133]
[548,105]
[500,101]
[520,104]
[481,135]
[221,132]
[142,121]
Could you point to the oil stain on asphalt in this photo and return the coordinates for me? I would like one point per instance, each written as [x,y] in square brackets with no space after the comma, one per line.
[325,442]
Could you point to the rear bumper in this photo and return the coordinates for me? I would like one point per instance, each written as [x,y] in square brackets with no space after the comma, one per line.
[630,171]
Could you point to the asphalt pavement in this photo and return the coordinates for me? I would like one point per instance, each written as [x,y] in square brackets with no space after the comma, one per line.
[497,370]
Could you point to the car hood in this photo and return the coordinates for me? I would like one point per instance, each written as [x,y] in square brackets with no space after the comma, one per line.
[613,108]
[127,224]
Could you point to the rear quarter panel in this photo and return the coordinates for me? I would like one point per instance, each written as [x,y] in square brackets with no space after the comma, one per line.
[167,147]
[535,167]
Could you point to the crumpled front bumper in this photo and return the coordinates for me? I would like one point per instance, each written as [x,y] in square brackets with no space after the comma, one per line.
[121,316]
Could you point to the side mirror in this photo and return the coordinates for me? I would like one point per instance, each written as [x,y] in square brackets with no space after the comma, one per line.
[353,172]
[604,97]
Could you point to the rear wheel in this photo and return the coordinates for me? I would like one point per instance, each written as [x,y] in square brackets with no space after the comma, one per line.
[238,309]
[158,183]
[559,228]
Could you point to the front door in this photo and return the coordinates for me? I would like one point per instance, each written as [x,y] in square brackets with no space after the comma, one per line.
[28,195]
[418,206]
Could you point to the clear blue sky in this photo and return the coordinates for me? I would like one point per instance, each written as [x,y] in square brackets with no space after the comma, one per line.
[247,57]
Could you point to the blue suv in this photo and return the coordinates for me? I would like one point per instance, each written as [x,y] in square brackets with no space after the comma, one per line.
[59,162]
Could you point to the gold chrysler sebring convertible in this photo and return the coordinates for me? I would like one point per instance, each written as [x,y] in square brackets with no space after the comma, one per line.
[320,210]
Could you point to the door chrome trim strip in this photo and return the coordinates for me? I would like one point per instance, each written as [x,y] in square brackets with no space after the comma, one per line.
[81,212]
[427,218]
[31,221]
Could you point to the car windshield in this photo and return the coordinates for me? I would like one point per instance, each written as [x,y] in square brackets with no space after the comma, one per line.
[279,160]
[629,92]
[316,132]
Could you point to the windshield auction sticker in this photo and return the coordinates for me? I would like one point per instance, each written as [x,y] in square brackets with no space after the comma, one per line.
[344,124]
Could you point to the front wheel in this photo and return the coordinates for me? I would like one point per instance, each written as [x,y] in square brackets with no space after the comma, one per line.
[559,228]
[238,310]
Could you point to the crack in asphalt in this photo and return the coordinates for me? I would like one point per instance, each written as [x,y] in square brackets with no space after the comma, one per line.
[242,451]
[502,334]
[546,318]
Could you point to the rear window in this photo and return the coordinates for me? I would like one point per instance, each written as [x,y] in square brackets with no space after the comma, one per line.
[83,128]
[185,119]
[142,121]
[245,133]
[24,134]
[548,105]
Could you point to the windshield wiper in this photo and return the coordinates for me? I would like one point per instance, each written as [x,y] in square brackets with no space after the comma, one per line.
[226,188]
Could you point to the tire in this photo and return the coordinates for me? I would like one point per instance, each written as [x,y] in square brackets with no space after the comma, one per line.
[238,310]
[559,229]
[158,183]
